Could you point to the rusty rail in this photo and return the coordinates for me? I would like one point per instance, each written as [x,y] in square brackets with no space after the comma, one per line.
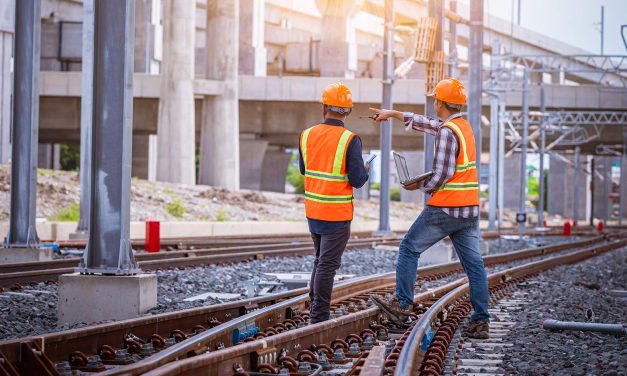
[201,343]
[411,360]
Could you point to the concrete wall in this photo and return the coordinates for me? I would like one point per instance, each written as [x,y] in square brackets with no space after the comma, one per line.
[561,189]
[274,169]
[602,188]
[511,182]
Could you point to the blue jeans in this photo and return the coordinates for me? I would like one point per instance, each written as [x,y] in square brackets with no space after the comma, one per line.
[431,226]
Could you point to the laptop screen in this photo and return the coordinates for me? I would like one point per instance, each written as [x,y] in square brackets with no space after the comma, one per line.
[401,167]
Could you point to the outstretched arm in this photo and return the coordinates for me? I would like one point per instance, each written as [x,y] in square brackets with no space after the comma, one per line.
[412,121]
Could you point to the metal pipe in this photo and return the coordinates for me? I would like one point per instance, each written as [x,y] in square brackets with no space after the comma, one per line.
[592,189]
[576,188]
[436,11]
[618,329]
[108,249]
[385,140]
[452,38]
[501,167]
[523,154]
[494,141]
[87,79]
[475,68]
[607,187]
[25,133]
[541,188]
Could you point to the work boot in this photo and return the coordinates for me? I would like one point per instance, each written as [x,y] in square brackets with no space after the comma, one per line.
[392,308]
[479,329]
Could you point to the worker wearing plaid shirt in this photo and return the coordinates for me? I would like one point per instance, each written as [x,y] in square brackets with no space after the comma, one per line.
[452,211]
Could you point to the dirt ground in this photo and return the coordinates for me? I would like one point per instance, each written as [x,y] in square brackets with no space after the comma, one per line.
[58,191]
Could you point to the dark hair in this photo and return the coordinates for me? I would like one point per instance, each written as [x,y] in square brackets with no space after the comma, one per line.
[329,109]
[454,108]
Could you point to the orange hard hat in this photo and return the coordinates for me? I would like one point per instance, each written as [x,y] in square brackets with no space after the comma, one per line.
[450,90]
[337,95]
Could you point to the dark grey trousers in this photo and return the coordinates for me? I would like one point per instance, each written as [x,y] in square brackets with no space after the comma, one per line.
[329,250]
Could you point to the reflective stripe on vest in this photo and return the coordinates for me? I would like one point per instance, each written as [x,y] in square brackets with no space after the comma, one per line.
[328,194]
[462,189]
[466,166]
[336,174]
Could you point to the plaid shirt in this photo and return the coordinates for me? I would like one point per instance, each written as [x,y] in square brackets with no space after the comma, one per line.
[446,148]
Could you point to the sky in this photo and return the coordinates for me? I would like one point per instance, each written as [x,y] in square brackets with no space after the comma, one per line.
[571,21]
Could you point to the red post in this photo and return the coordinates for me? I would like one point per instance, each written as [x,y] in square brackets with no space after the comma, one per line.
[566,228]
[544,223]
[575,223]
[153,239]
[600,227]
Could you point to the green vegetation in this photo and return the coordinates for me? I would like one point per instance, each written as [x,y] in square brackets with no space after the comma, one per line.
[67,214]
[294,178]
[70,158]
[176,208]
[221,215]
[395,194]
[375,186]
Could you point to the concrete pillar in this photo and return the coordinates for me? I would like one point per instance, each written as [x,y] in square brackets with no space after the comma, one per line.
[219,145]
[561,190]
[6,51]
[414,165]
[139,167]
[251,161]
[511,182]
[274,169]
[176,151]
[337,52]
[252,50]
[49,156]
[147,25]
[602,189]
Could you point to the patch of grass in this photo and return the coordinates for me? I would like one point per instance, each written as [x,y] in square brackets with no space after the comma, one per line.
[168,191]
[221,215]
[176,208]
[294,178]
[375,186]
[68,214]
[395,194]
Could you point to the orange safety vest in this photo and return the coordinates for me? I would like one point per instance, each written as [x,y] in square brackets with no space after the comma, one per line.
[462,189]
[328,194]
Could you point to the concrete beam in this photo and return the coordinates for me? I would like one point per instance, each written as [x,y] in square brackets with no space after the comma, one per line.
[68,84]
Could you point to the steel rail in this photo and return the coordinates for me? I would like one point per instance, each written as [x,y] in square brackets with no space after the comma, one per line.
[413,352]
[27,272]
[201,342]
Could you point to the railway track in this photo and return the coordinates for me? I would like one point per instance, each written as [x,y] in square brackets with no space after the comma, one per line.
[243,332]
[14,275]
[350,345]
[212,251]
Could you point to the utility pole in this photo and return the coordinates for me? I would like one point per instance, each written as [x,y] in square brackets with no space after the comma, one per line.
[435,11]
[521,216]
[475,67]
[87,68]
[541,188]
[577,173]
[385,142]
[493,186]
[22,231]
[602,26]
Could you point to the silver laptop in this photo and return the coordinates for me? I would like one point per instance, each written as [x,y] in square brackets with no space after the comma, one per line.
[403,172]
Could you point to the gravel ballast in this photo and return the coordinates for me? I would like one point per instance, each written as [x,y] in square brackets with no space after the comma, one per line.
[33,310]
[572,293]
